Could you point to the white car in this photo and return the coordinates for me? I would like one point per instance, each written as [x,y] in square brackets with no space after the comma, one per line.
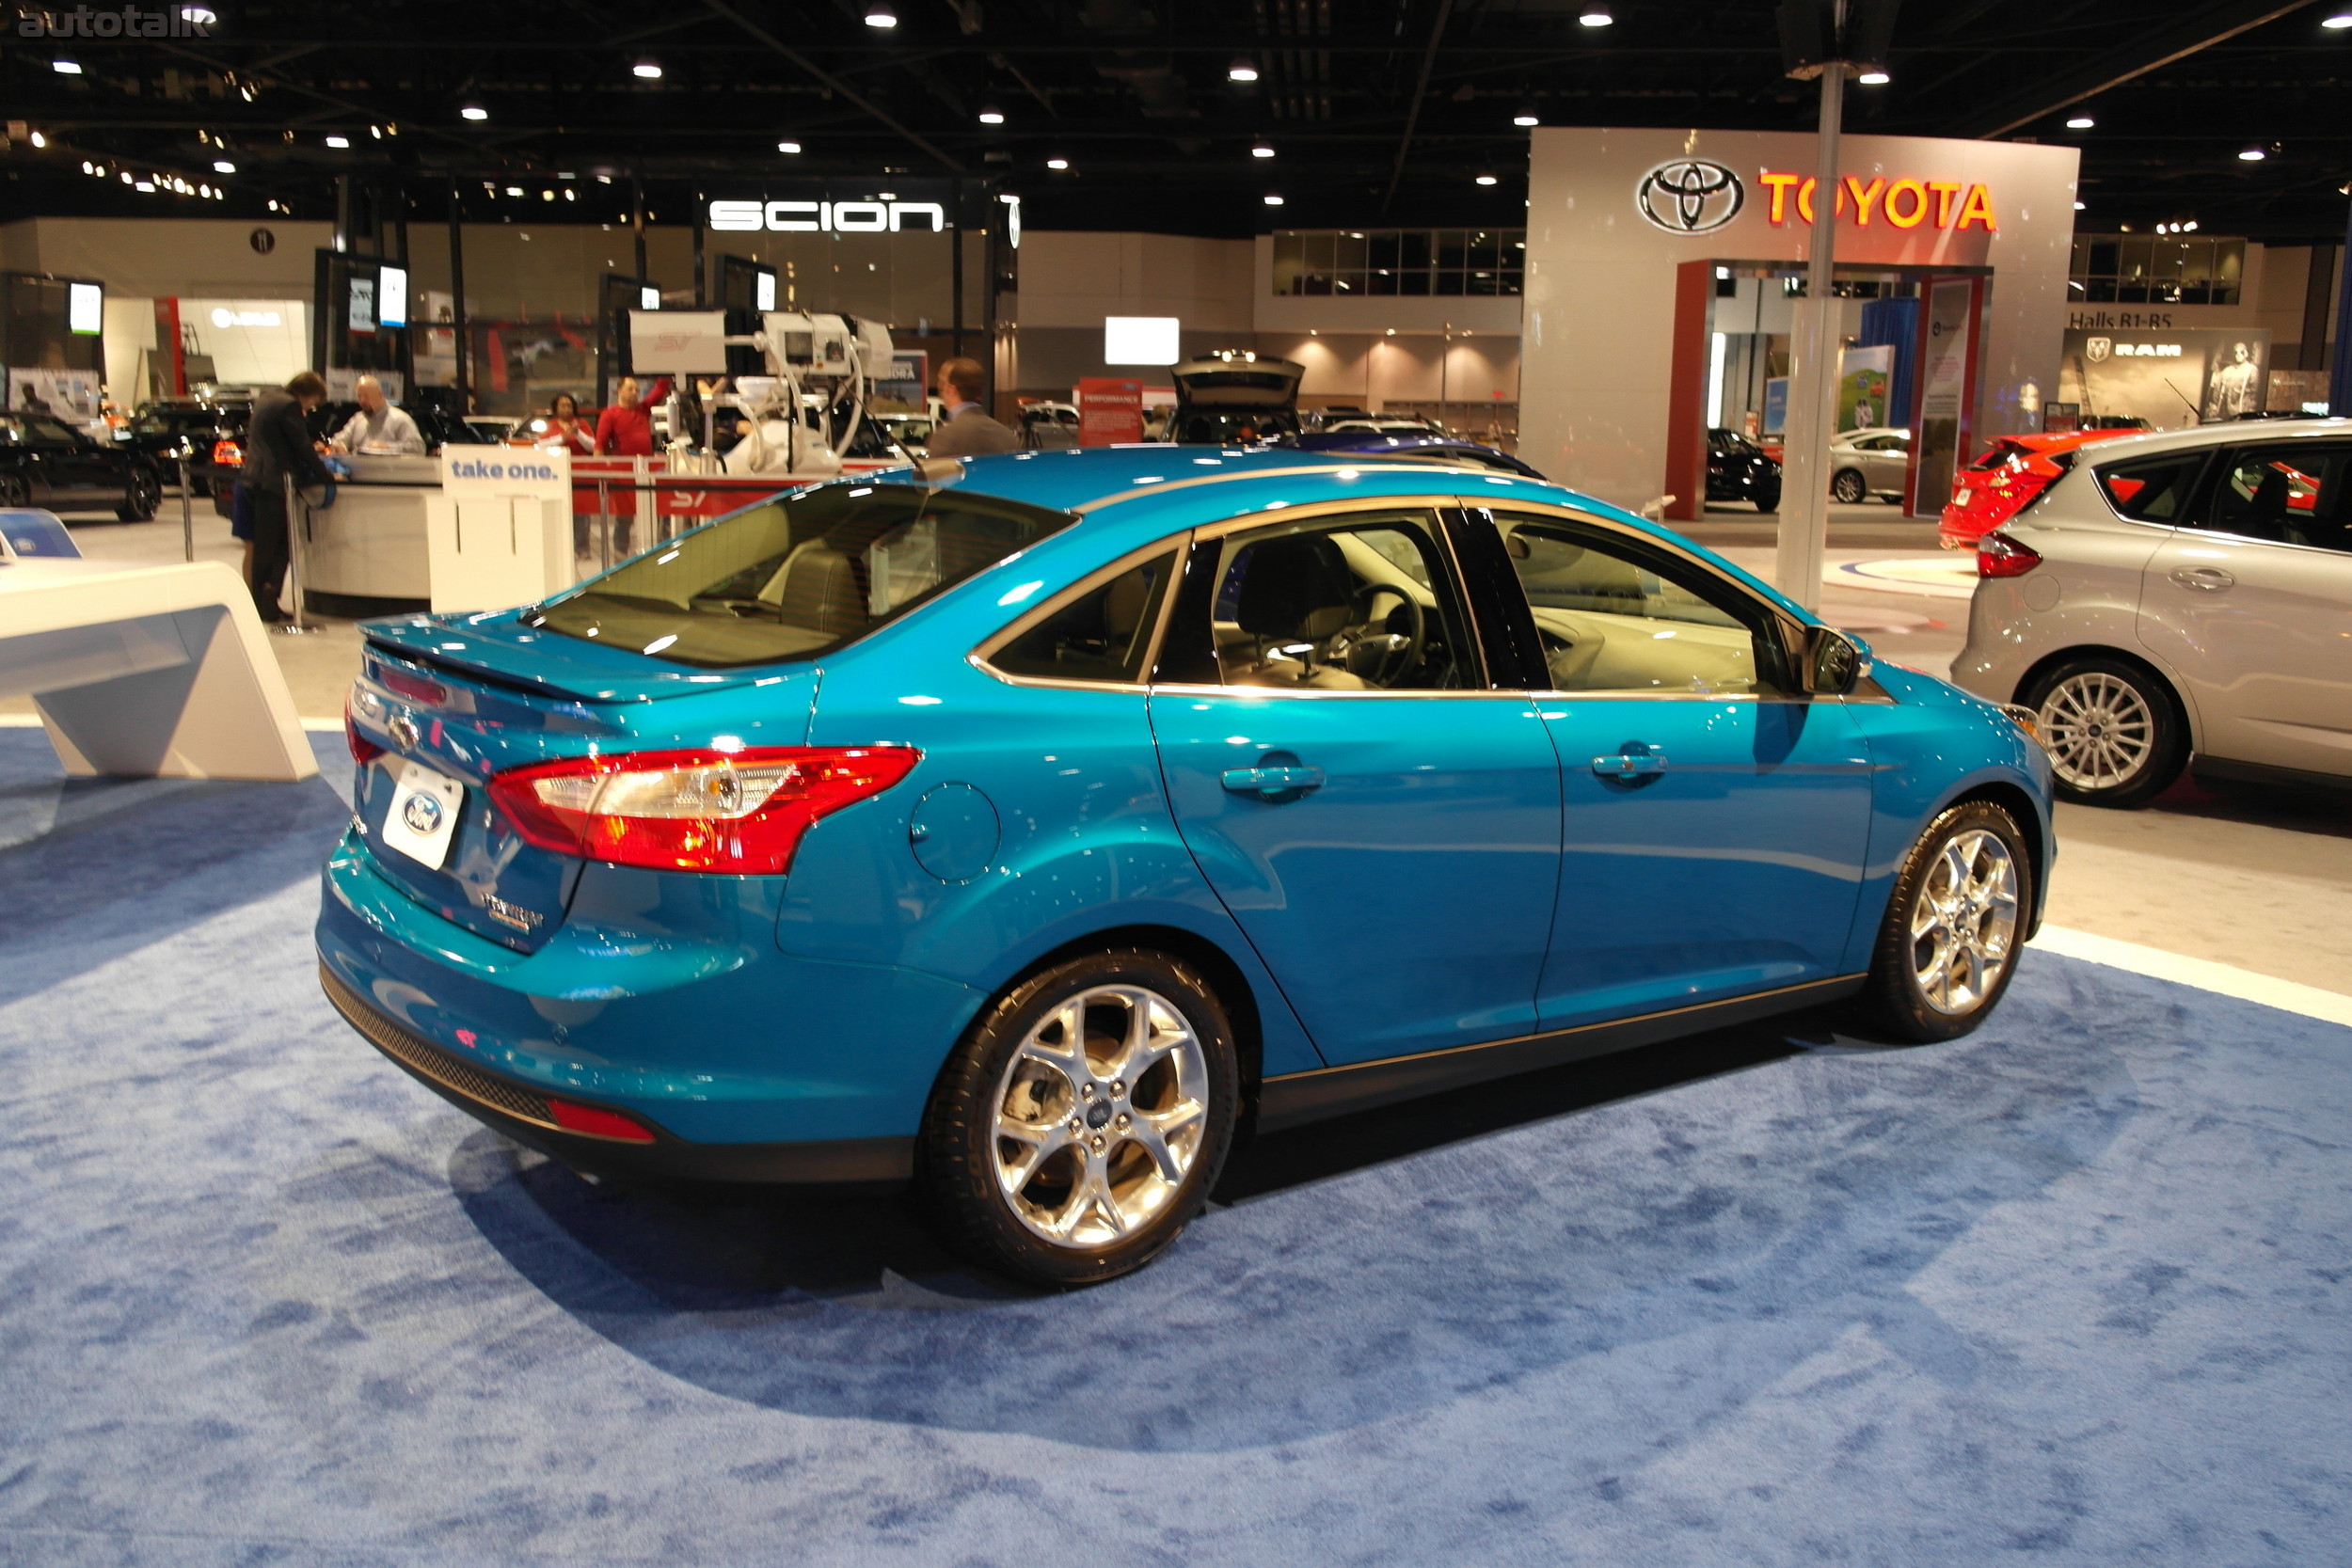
[1870,462]
[2178,594]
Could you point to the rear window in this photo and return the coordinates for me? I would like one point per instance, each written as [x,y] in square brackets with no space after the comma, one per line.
[2000,452]
[799,576]
[2153,489]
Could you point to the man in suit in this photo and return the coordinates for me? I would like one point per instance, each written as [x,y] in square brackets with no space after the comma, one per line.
[967,430]
[278,443]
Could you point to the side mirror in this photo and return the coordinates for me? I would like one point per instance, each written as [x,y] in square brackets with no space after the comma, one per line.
[1834,664]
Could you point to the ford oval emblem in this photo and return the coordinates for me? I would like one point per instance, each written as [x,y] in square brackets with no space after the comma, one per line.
[422,814]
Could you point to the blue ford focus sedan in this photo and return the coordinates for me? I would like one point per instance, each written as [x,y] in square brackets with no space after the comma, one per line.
[1030,828]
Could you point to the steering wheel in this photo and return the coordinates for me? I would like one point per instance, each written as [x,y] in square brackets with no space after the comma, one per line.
[1388,653]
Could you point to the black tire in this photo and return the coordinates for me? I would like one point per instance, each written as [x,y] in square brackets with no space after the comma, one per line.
[1767,496]
[14,492]
[2113,728]
[1849,487]
[1895,999]
[961,1157]
[142,495]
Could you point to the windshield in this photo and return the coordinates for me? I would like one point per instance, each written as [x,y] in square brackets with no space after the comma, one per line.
[797,576]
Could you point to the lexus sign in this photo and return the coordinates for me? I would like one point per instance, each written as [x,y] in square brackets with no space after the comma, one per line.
[827,217]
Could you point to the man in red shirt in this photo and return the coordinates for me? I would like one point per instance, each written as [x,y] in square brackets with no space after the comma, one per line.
[624,428]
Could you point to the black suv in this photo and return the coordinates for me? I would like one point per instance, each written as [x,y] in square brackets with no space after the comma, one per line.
[1739,470]
[46,461]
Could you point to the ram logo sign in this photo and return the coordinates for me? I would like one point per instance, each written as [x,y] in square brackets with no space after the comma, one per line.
[826,217]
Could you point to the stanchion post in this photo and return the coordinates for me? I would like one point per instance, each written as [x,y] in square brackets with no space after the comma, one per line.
[295,515]
[188,510]
[604,521]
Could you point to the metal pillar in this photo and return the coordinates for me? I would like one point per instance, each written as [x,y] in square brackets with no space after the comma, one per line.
[188,510]
[457,300]
[1813,374]
[296,526]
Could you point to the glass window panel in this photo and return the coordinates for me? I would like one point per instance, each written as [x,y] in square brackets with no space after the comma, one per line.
[2105,258]
[1382,250]
[1101,636]
[2155,489]
[1350,251]
[1319,253]
[1413,282]
[1510,282]
[1414,248]
[1453,248]
[1615,618]
[1364,604]
[1380,283]
[1485,249]
[1449,283]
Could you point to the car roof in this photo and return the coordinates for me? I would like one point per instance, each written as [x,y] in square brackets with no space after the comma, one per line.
[2229,433]
[1129,496]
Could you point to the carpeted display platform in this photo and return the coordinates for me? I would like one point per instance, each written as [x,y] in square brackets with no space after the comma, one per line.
[2077,1287]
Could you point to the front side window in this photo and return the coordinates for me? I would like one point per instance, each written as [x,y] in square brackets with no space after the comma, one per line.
[2287,494]
[1103,635]
[2153,489]
[1361,602]
[797,576]
[1617,616]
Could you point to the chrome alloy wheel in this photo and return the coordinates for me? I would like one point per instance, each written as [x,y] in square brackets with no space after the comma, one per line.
[1964,921]
[1100,1116]
[2099,730]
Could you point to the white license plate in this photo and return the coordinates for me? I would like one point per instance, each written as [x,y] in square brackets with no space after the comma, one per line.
[423,818]
[1962,498]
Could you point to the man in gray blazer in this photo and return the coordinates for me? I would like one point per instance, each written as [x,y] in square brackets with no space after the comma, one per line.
[967,430]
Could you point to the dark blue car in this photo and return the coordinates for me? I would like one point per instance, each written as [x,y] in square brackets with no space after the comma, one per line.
[1035,826]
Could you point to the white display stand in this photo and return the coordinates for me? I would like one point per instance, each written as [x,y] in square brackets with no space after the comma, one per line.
[500,533]
[149,671]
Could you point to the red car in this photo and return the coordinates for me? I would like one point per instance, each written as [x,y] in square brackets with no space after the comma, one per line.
[2004,481]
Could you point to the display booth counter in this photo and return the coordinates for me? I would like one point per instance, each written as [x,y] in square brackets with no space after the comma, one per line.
[372,552]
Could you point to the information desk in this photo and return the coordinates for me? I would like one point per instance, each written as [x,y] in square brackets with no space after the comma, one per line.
[149,671]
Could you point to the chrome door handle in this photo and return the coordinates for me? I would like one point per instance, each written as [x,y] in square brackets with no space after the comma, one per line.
[1630,764]
[2212,579]
[1273,782]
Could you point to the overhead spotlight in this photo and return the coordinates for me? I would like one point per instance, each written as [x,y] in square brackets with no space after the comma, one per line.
[2337,23]
[64,67]
[1595,15]
[2081,206]
[570,195]
[514,190]
[781,147]
[1486,179]
[992,116]
[1263,150]
[1874,78]
[1274,201]
[881,16]
[2081,122]
[473,111]
[39,139]
[649,70]
[146,185]
[1057,163]
[222,165]
[1527,117]
[339,141]
[1243,70]
[2190,226]
[2253,155]
[376,132]
[203,16]
[546,195]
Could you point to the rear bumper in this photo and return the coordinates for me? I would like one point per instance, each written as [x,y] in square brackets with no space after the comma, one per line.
[520,1111]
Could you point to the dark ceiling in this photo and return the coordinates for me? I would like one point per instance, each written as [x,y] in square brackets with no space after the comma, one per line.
[1377,111]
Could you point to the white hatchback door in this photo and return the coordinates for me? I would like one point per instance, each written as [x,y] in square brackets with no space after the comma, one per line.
[2251,602]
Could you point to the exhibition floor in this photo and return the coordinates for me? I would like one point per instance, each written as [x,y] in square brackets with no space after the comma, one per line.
[2067,1286]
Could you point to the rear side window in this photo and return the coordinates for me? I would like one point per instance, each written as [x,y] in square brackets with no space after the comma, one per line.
[2153,489]
[1103,634]
[799,576]
[2291,494]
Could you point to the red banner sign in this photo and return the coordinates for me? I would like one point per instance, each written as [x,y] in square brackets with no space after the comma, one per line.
[1109,411]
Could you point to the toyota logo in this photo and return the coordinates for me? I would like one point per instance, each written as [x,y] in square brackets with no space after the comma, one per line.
[1690,196]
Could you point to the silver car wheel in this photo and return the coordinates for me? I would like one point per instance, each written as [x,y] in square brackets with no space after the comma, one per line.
[2099,730]
[1100,1116]
[1964,921]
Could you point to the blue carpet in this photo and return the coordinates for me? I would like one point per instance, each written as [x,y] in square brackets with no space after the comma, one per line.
[2074,1288]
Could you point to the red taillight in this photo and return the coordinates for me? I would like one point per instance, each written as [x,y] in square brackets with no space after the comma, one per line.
[706,810]
[363,751]
[1999,556]
[415,688]
[596,1123]
[227,454]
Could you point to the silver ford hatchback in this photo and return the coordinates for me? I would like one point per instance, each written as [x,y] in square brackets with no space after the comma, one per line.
[2179,594]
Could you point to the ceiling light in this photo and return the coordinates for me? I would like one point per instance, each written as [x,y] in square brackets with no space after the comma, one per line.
[546,195]
[473,111]
[1274,201]
[1527,117]
[1262,151]
[1486,179]
[881,16]
[2338,21]
[514,190]
[2080,206]
[781,147]
[992,116]
[222,165]
[1243,70]
[66,68]
[1056,163]
[148,185]
[649,70]
[1596,15]
[2190,226]
[39,139]
[1874,78]
[2252,155]
[2081,122]
[203,16]
[339,141]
